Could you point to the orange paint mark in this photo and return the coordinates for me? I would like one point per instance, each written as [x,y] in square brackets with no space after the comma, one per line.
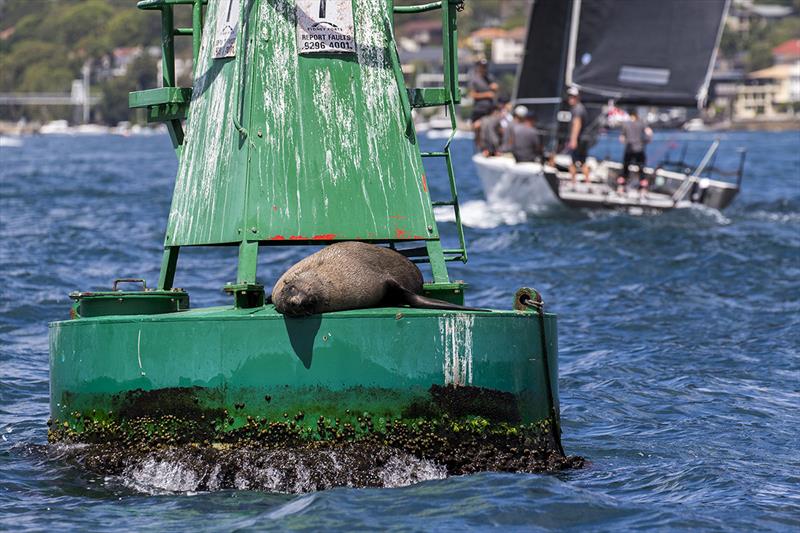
[277,238]
[400,234]
[324,237]
[398,217]
[424,183]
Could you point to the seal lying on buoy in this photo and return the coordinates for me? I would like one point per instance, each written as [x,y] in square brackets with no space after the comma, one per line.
[352,275]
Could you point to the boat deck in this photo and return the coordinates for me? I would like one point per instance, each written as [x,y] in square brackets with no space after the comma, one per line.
[592,194]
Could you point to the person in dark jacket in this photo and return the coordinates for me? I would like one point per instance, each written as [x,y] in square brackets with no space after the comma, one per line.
[490,135]
[635,135]
[483,91]
[576,144]
[525,142]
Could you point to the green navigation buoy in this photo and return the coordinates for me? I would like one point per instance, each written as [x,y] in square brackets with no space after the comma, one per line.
[298,130]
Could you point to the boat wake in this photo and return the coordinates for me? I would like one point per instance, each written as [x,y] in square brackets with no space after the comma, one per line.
[711,213]
[484,215]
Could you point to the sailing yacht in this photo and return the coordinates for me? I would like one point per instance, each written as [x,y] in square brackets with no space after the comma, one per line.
[616,53]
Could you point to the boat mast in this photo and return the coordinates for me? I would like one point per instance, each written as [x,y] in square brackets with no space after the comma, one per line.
[573,40]
[565,72]
[702,94]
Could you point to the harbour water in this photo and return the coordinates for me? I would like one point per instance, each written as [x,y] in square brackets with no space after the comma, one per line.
[679,350]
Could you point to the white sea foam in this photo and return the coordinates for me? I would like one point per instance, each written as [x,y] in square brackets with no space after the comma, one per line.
[188,470]
[483,215]
[162,475]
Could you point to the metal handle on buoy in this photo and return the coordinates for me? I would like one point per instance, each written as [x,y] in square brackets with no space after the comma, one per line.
[526,299]
[129,280]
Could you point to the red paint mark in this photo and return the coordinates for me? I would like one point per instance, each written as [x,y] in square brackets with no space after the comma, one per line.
[399,217]
[400,234]
[274,207]
[277,238]
[324,237]
[419,237]
[298,238]
[424,183]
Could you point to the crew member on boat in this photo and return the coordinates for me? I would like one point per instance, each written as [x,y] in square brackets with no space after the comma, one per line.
[525,143]
[506,124]
[635,135]
[490,133]
[483,91]
[577,145]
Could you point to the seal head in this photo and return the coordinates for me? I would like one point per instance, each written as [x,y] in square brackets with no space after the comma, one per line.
[300,298]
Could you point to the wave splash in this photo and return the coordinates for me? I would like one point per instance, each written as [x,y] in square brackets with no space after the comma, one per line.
[191,468]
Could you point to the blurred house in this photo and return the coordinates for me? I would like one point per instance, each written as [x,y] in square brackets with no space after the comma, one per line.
[419,33]
[118,62]
[772,92]
[722,92]
[501,47]
[7,33]
[787,53]
[509,49]
[121,58]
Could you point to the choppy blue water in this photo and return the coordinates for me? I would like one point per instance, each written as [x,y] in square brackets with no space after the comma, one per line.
[679,349]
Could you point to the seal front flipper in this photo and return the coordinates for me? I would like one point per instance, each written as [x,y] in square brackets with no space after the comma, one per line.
[412,299]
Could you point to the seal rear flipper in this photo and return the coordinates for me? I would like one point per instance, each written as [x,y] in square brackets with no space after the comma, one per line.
[412,299]
[423,302]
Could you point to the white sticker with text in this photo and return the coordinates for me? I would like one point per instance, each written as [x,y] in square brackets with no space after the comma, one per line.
[325,26]
[227,29]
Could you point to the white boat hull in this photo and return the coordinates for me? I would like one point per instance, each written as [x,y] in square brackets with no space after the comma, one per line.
[438,133]
[522,184]
[10,142]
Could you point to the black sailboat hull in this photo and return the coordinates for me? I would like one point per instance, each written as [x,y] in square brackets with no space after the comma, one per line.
[664,185]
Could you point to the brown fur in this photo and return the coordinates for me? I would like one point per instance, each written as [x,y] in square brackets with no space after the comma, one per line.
[351,275]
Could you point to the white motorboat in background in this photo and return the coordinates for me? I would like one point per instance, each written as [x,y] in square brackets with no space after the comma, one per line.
[10,141]
[440,127]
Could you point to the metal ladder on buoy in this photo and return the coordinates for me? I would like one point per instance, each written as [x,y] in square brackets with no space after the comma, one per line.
[449,95]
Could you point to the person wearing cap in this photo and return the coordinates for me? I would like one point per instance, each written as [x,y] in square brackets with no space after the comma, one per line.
[635,135]
[577,146]
[526,145]
[483,91]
